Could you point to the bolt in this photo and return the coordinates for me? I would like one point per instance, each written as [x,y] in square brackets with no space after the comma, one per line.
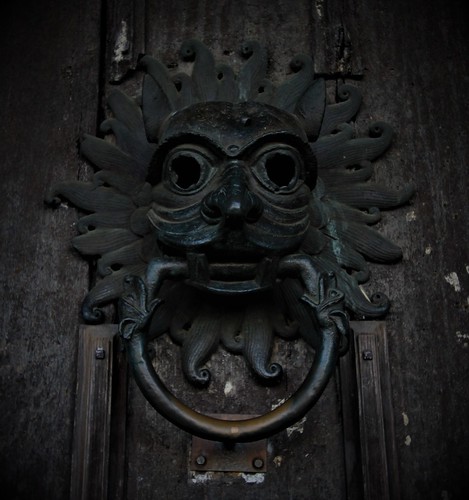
[100,353]
[201,460]
[258,463]
[367,355]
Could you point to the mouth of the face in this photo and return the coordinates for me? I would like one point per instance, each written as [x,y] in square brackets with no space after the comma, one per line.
[228,265]
[229,277]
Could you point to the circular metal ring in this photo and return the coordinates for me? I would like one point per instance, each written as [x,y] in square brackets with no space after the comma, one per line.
[251,429]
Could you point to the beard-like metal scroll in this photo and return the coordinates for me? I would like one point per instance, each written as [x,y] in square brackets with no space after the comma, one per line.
[230,211]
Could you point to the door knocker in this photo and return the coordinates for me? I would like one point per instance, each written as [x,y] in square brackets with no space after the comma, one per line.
[228,211]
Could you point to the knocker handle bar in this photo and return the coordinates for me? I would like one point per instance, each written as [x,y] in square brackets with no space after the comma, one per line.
[252,429]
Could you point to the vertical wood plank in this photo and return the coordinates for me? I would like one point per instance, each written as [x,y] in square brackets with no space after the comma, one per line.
[351,423]
[373,442]
[50,54]
[126,35]
[416,80]
[90,460]
[118,448]
[378,453]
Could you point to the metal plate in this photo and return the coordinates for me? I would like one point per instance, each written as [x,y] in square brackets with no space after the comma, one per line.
[238,457]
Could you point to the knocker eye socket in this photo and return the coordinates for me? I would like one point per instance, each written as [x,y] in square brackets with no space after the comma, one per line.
[279,169]
[187,171]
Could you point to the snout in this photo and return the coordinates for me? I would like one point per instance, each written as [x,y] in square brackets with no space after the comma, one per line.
[232,203]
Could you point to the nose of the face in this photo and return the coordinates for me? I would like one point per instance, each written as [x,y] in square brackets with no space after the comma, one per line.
[232,202]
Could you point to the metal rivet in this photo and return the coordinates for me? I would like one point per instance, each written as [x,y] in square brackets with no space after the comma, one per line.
[201,460]
[367,355]
[258,463]
[100,353]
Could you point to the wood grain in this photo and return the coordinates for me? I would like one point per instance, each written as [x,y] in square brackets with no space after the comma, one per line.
[49,96]
[92,429]
[416,80]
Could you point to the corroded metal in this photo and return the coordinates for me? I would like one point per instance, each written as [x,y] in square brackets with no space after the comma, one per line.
[231,210]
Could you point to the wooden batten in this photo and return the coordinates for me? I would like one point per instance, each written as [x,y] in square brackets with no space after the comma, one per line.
[92,433]
[369,438]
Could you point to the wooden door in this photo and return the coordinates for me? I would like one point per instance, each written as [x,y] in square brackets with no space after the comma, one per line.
[408,59]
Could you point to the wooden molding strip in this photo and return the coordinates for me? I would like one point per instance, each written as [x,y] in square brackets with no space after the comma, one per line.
[371,466]
[91,445]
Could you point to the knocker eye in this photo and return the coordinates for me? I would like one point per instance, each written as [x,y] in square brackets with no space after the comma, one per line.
[187,171]
[279,169]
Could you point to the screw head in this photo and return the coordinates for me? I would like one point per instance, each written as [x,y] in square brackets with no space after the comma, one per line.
[258,463]
[200,460]
[367,355]
[100,353]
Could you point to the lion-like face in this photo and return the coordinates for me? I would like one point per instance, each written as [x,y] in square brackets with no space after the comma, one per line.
[232,184]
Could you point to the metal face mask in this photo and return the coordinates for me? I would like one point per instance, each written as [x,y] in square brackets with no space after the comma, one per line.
[232,185]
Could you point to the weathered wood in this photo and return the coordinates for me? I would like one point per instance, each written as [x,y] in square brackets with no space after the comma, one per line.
[117,451]
[92,432]
[367,415]
[126,38]
[380,474]
[335,44]
[49,53]
[351,423]
[415,81]
[375,467]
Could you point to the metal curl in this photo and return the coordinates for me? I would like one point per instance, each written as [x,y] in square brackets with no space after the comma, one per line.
[123,256]
[365,195]
[380,299]
[109,289]
[360,305]
[258,338]
[290,92]
[227,90]
[348,174]
[133,143]
[106,156]
[101,220]
[342,112]
[310,108]
[231,335]
[185,90]
[126,110]
[203,71]
[159,73]
[91,314]
[203,337]
[340,150]
[252,74]
[156,106]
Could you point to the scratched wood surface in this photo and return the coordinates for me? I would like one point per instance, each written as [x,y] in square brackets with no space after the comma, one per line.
[415,79]
[410,61]
[49,96]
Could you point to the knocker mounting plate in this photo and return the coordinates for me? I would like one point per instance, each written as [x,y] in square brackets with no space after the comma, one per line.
[208,455]
[230,211]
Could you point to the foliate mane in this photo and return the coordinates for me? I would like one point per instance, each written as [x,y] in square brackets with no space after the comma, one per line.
[344,204]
